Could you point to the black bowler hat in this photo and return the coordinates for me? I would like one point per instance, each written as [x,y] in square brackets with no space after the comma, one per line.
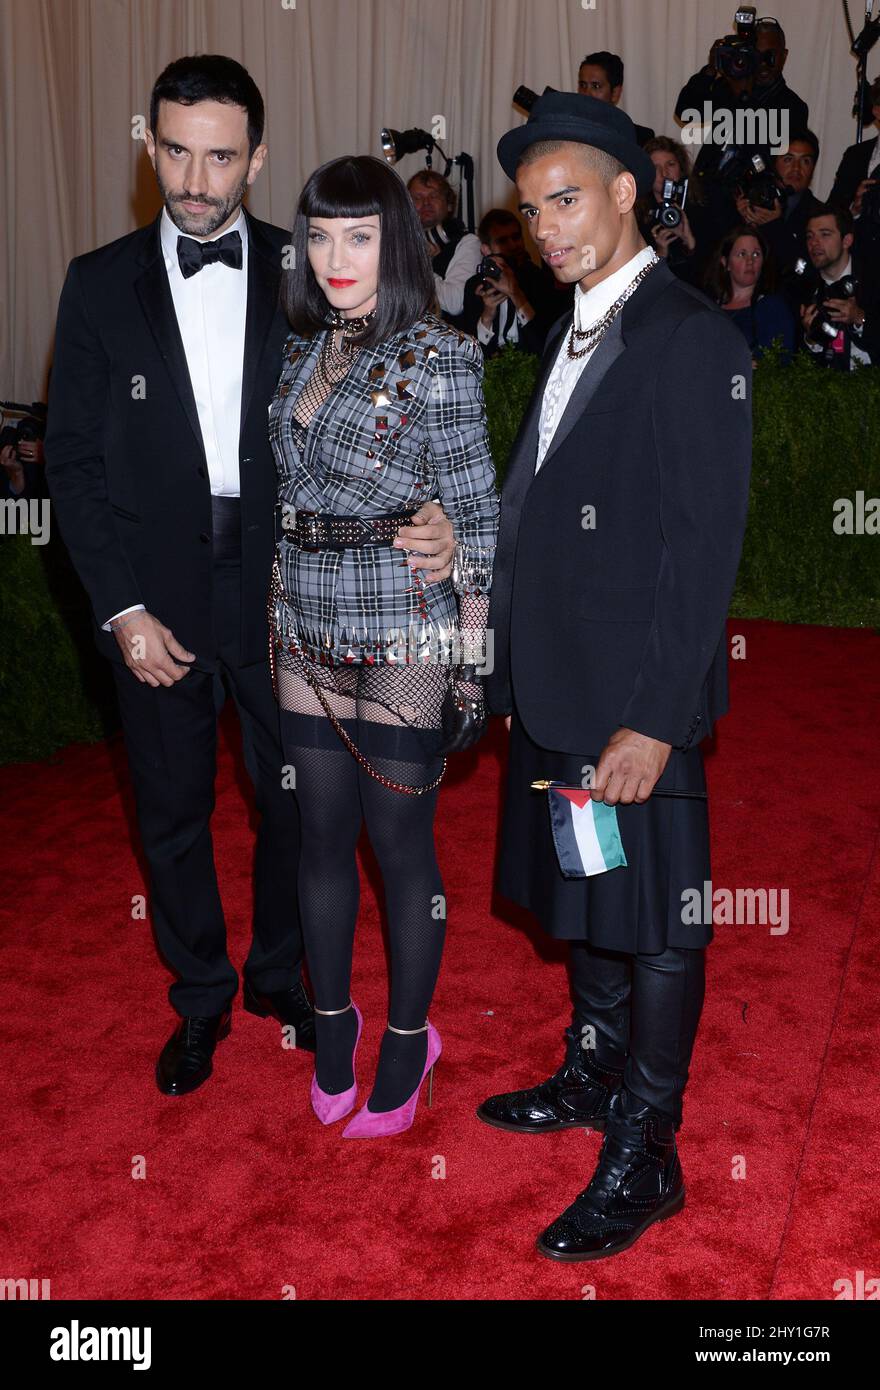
[571,116]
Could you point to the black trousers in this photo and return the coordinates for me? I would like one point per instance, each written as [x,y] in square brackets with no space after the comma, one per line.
[642,1012]
[171,739]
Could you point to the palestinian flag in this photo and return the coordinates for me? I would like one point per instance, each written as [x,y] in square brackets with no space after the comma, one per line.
[585,833]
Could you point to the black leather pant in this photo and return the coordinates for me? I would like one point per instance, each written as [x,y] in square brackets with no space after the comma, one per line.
[645,1011]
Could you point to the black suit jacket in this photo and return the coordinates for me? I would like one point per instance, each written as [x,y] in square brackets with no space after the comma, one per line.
[128,476]
[853,167]
[623,623]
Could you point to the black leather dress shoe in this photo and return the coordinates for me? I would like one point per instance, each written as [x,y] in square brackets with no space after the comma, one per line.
[186,1059]
[577,1096]
[637,1181]
[291,1007]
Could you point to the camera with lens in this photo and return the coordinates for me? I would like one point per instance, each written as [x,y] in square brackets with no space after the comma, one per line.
[758,183]
[736,55]
[823,330]
[488,269]
[669,210]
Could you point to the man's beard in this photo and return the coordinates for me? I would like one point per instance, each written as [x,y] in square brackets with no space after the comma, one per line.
[216,210]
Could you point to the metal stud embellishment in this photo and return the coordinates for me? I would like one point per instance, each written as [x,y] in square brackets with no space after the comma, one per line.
[377,372]
[406,359]
[380,397]
[431,352]
[403,390]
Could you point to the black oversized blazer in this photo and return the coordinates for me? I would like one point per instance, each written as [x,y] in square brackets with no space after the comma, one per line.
[124,457]
[617,618]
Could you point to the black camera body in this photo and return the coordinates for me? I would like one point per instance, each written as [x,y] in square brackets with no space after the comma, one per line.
[488,269]
[823,330]
[668,211]
[737,57]
[759,184]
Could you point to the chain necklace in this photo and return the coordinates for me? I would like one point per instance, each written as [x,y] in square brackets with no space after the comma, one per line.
[592,336]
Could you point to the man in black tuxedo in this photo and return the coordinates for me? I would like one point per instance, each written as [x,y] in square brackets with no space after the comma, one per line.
[857,173]
[622,518]
[168,348]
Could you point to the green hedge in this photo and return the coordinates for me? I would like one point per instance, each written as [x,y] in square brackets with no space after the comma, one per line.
[816,437]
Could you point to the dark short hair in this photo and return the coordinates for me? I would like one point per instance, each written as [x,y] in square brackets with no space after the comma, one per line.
[496,217]
[770,26]
[210,77]
[842,216]
[610,64]
[806,137]
[362,186]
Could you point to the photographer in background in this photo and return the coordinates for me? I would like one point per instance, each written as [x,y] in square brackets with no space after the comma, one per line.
[510,299]
[600,75]
[22,460]
[740,280]
[781,204]
[672,217]
[454,251]
[744,73]
[840,310]
[857,182]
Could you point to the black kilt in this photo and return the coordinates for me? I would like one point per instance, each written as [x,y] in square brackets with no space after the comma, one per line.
[636,908]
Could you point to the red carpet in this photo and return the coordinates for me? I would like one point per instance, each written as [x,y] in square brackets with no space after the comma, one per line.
[245,1194]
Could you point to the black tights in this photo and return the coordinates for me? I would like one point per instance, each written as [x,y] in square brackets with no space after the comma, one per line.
[335,796]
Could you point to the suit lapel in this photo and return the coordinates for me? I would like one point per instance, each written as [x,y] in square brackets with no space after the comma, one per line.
[588,383]
[523,452]
[612,346]
[156,301]
[154,293]
[264,276]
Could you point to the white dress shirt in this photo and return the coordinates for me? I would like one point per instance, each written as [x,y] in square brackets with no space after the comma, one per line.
[211,309]
[465,259]
[507,322]
[589,307]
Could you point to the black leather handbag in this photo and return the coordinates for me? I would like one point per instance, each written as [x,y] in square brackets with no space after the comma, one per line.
[463,720]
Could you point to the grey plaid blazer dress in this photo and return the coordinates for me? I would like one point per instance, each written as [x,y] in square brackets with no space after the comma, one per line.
[405,425]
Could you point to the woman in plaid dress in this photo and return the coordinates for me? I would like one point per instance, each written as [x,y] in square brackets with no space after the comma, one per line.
[378,409]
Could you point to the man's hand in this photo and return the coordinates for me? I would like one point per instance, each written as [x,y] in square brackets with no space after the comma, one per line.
[808,313]
[150,649]
[862,189]
[430,534]
[491,297]
[12,468]
[844,311]
[629,767]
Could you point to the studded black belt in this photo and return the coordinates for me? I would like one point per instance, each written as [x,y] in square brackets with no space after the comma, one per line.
[325,531]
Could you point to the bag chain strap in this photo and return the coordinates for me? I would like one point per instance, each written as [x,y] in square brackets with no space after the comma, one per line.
[277,592]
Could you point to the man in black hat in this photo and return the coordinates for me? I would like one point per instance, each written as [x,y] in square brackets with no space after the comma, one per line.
[621,527]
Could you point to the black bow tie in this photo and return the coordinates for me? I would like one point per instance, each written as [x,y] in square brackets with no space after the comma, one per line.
[192,255]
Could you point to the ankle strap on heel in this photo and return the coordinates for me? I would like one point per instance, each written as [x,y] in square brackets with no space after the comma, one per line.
[408,1032]
[328,1013]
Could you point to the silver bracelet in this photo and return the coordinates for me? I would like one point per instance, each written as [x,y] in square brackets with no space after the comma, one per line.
[117,627]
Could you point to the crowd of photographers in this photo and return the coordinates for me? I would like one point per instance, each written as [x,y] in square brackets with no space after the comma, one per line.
[740,222]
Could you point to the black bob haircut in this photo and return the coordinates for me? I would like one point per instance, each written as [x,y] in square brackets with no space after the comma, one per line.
[210,77]
[362,186]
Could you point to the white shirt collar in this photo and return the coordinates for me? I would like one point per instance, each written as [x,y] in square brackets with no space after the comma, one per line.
[170,233]
[590,305]
[832,279]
